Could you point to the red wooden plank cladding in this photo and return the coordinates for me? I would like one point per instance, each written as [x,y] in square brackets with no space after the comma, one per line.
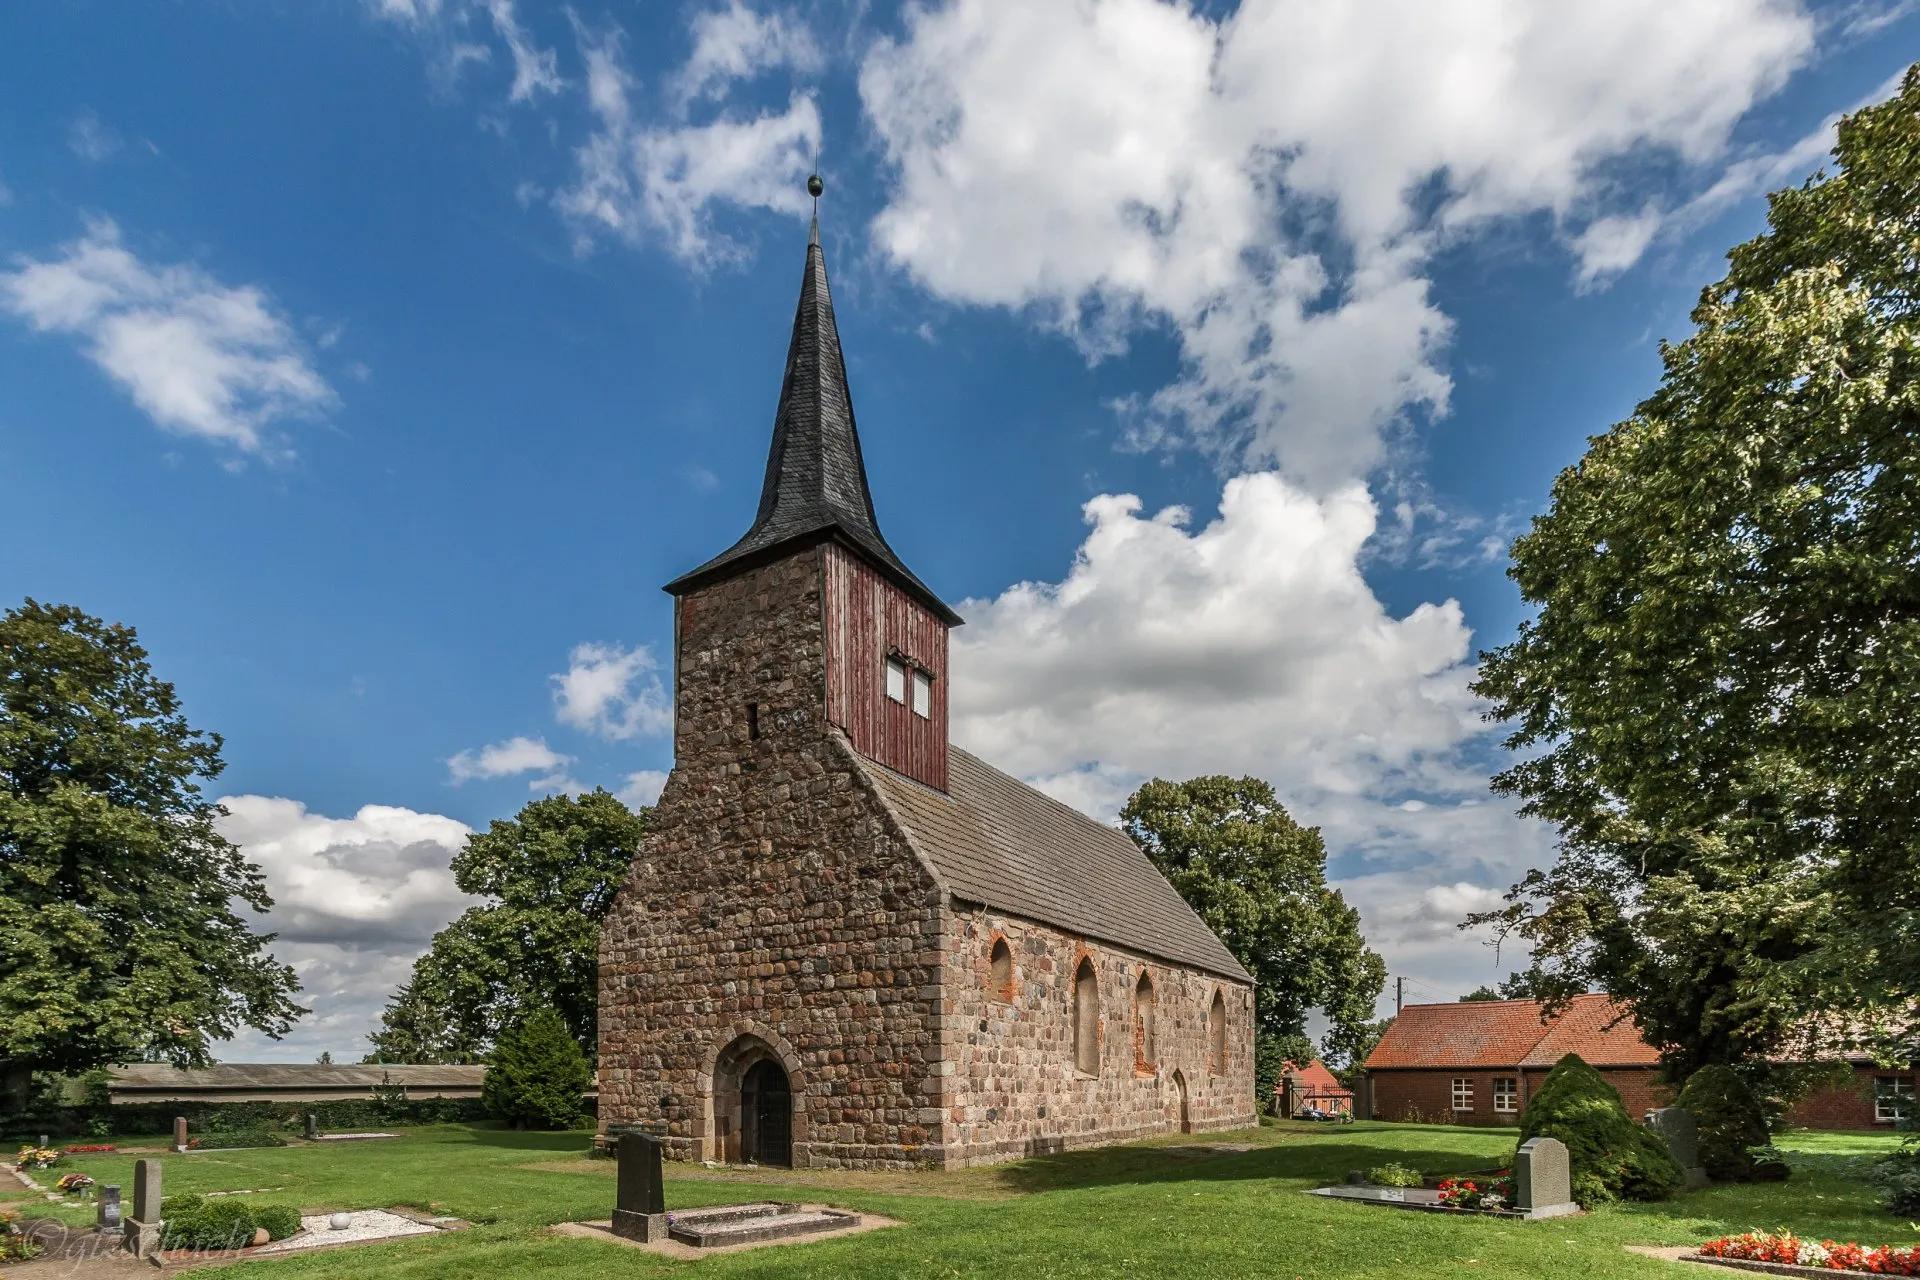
[867,619]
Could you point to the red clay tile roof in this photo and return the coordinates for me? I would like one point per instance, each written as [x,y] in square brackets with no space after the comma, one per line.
[1509,1033]
[1317,1079]
[1583,1029]
[1486,1033]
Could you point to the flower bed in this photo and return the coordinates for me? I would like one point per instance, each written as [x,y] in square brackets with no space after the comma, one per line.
[1478,1196]
[36,1158]
[14,1244]
[82,1151]
[1825,1255]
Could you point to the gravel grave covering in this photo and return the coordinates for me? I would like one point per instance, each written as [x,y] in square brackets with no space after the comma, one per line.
[364,1224]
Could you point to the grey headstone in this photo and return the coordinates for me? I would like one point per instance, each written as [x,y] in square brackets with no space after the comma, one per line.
[146,1190]
[106,1210]
[1543,1179]
[1682,1132]
[640,1198]
[179,1133]
[313,1127]
[142,1231]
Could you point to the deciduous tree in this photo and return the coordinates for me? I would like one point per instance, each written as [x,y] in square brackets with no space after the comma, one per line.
[1258,879]
[119,940]
[1718,702]
[551,873]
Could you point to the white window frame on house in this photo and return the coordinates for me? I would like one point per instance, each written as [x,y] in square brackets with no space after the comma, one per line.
[1892,1098]
[1462,1093]
[922,694]
[896,680]
[1506,1094]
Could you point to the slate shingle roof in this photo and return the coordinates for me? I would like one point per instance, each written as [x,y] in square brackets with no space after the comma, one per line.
[816,482]
[1510,1033]
[996,841]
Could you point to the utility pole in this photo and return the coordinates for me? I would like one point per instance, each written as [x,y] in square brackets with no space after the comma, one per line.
[1399,995]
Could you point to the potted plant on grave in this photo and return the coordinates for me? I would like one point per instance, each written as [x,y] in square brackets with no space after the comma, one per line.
[78,1185]
[32,1157]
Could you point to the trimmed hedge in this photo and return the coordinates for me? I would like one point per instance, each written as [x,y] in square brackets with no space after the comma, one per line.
[1731,1123]
[1612,1158]
[193,1222]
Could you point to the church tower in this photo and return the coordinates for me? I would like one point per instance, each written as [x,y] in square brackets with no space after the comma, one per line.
[880,675]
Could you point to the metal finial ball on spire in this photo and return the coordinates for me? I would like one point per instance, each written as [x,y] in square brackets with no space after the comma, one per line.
[815,186]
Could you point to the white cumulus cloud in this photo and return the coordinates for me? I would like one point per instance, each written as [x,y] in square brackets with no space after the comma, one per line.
[1273,183]
[504,759]
[642,180]
[736,42]
[201,358]
[613,692]
[1252,644]
[355,901]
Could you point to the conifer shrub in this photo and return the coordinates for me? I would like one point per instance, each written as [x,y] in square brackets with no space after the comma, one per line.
[280,1220]
[537,1076]
[225,1223]
[1730,1123]
[1611,1157]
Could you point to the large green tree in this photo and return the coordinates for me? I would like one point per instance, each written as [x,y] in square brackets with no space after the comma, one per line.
[1258,879]
[1718,702]
[551,873]
[119,940]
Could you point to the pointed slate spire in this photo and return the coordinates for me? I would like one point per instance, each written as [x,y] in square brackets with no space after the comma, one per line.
[816,481]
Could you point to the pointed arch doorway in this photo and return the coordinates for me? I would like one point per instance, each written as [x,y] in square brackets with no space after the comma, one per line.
[754,1104]
[766,1115]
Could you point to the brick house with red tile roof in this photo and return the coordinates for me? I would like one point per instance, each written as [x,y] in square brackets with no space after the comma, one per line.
[1311,1086]
[1477,1062]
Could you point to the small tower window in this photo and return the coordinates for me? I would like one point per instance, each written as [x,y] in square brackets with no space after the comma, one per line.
[922,695]
[896,680]
[1143,1010]
[753,720]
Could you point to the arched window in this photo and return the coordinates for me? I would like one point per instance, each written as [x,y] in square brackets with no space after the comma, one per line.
[1143,1052]
[1217,1035]
[1000,971]
[1086,1019]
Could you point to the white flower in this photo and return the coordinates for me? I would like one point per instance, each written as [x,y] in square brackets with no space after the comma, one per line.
[1812,1254]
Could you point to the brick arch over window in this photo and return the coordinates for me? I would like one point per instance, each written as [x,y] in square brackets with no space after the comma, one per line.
[1086,1018]
[729,1060]
[1217,1035]
[1144,1010]
[1000,969]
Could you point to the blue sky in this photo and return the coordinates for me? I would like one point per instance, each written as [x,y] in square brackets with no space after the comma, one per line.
[380,360]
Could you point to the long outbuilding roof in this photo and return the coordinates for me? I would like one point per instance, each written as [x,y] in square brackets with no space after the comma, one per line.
[1512,1033]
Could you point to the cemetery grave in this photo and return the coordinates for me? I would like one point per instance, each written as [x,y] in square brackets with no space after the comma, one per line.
[640,1212]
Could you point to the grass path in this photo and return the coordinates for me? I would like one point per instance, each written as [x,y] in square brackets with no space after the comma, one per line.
[1172,1207]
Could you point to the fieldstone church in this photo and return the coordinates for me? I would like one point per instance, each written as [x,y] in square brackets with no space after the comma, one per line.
[847,942]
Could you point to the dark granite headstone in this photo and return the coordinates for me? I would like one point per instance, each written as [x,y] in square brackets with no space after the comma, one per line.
[640,1196]
[106,1210]
[1682,1132]
[1543,1179]
[313,1127]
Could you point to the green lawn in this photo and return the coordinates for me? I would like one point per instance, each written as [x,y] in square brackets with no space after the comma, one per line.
[1150,1209]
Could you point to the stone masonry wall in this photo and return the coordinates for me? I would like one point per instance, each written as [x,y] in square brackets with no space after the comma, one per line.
[774,899]
[1016,1091]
